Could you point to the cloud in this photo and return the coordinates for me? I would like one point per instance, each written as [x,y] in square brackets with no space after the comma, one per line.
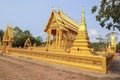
[92,32]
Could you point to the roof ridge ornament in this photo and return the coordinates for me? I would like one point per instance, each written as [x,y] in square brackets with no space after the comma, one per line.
[58,8]
[52,8]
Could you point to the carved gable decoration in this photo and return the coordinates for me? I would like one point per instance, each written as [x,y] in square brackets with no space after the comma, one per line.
[8,35]
[27,43]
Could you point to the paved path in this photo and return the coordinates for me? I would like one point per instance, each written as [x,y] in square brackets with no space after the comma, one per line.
[12,68]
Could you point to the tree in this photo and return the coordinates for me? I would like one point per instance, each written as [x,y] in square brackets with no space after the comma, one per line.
[21,36]
[27,32]
[108,14]
[100,45]
[100,39]
[17,31]
[108,36]
[118,47]
[38,41]
[1,34]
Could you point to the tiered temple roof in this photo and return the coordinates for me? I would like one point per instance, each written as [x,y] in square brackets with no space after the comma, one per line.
[63,21]
[8,35]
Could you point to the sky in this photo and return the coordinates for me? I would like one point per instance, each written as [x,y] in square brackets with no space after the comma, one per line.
[33,15]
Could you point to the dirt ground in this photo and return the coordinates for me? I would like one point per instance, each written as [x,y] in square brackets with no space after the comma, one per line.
[12,68]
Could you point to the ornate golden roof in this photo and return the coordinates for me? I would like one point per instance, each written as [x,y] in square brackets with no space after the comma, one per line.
[62,20]
[68,19]
[8,35]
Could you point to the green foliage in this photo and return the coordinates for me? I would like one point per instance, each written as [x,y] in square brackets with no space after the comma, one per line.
[39,41]
[108,36]
[100,44]
[118,47]
[1,34]
[21,36]
[100,39]
[108,14]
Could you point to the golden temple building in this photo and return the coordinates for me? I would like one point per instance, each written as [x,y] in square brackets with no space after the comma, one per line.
[61,30]
[63,35]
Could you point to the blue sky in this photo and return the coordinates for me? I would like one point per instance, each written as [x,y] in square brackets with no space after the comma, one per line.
[34,14]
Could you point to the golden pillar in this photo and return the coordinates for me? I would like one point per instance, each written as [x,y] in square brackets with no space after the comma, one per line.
[56,38]
[60,35]
[4,47]
[47,41]
[65,43]
[49,37]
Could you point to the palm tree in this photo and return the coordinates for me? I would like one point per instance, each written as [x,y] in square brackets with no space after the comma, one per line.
[108,36]
[100,45]
[1,34]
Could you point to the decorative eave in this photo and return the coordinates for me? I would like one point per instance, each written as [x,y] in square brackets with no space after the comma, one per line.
[63,21]
[68,19]
[8,35]
[52,13]
[57,19]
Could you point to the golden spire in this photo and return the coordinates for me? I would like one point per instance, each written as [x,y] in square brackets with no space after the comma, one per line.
[83,16]
[81,43]
[83,24]
[112,38]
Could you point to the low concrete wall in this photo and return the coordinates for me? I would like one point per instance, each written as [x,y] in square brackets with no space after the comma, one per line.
[91,63]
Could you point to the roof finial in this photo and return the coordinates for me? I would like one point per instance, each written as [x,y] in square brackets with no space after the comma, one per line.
[83,9]
[52,8]
[58,8]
